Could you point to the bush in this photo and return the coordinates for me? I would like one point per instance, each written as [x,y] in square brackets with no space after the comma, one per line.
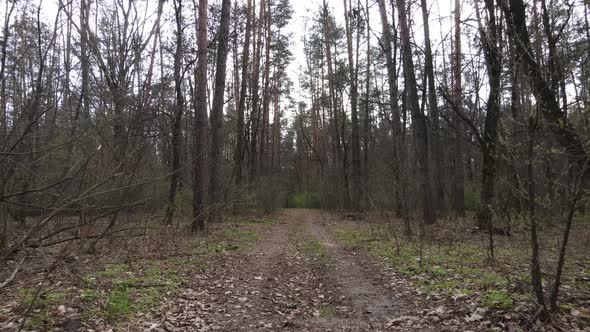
[304,199]
[268,195]
[472,197]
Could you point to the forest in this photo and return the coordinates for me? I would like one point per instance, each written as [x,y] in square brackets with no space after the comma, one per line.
[278,165]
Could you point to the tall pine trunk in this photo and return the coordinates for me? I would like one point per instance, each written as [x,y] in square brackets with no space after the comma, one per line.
[357,189]
[217,141]
[200,124]
[240,141]
[255,111]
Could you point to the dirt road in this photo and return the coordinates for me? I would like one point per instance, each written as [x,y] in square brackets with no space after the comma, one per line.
[297,278]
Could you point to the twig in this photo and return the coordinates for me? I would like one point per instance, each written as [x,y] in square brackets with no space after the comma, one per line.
[14,272]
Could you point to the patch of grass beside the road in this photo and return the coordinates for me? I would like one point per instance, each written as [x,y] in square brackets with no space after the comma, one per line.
[116,293]
[315,249]
[436,269]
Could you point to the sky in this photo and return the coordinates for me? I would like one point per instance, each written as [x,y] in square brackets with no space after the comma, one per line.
[308,9]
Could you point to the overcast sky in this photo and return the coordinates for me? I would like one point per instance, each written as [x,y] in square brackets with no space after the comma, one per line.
[307,11]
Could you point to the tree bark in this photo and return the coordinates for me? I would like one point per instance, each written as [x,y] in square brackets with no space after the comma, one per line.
[255,111]
[459,171]
[177,118]
[557,121]
[433,113]
[418,119]
[367,124]
[327,31]
[200,124]
[262,155]
[240,144]
[398,148]
[357,188]
[493,57]
[217,133]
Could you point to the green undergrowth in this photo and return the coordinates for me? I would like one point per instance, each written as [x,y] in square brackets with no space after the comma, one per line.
[233,239]
[118,292]
[238,236]
[454,271]
[305,199]
[315,249]
[40,307]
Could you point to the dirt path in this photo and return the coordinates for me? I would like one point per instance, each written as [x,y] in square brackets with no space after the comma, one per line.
[280,285]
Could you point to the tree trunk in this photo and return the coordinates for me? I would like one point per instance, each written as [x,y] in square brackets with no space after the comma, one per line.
[178,112]
[536,276]
[331,86]
[459,171]
[217,138]
[418,119]
[545,96]
[367,124]
[490,135]
[357,189]
[240,144]
[262,154]
[398,148]
[255,111]
[200,124]
[433,113]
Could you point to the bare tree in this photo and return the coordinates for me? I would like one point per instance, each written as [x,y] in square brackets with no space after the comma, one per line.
[177,114]
[418,119]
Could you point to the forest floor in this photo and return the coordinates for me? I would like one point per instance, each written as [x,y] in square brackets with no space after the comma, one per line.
[301,270]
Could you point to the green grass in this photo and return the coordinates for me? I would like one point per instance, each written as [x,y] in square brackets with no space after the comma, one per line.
[451,271]
[41,306]
[116,293]
[315,249]
[235,239]
[497,299]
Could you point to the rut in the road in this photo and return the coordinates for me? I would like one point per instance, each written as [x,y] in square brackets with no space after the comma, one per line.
[371,304]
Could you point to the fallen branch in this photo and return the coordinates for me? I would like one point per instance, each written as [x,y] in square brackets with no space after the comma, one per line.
[14,272]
